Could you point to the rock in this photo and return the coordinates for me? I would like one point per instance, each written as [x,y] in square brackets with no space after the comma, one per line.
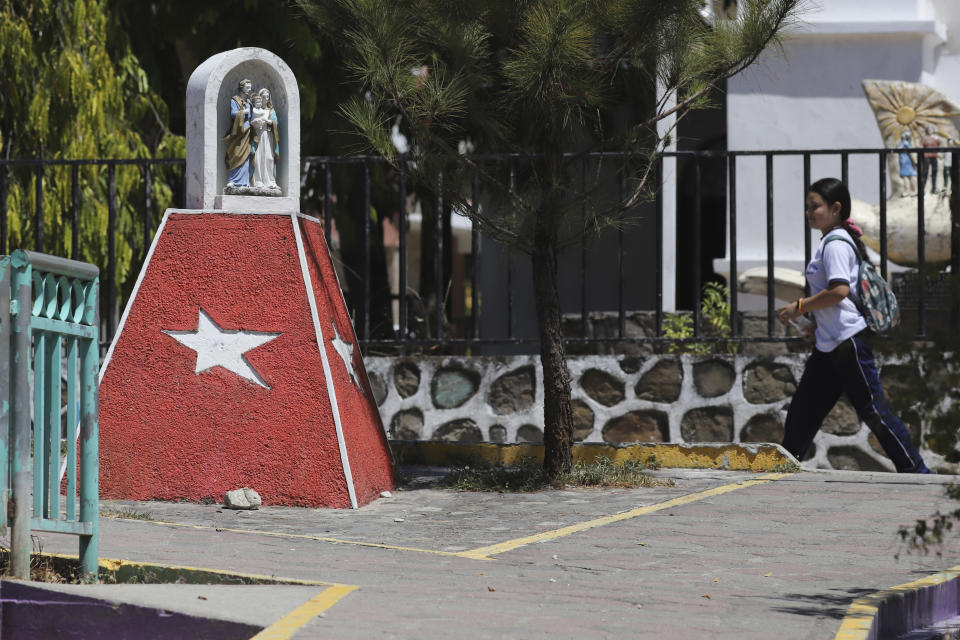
[602,387]
[406,378]
[904,387]
[662,383]
[638,426]
[498,433]
[407,425]
[462,430]
[513,392]
[252,497]
[245,498]
[842,419]
[710,424]
[713,378]
[453,386]
[852,458]
[764,427]
[386,494]
[582,420]
[630,364]
[378,386]
[529,433]
[765,382]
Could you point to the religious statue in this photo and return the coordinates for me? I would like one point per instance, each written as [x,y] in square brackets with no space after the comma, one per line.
[267,148]
[253,147]
[238,139]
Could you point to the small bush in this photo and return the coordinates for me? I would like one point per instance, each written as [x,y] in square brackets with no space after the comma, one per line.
[530,476]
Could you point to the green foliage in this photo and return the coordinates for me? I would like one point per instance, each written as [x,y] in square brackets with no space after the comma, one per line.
[529,475]
[545,79]
[715,311]
[72,89]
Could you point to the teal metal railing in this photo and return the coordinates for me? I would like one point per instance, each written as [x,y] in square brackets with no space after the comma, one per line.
[49,350]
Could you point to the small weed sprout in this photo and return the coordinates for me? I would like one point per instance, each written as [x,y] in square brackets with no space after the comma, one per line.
[126,513]
[715,310]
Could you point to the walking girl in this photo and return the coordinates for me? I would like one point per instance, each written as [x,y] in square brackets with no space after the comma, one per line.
[842,359]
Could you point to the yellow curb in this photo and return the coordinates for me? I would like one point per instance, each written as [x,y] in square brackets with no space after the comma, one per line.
[483,553]
[756,457]
[862,613]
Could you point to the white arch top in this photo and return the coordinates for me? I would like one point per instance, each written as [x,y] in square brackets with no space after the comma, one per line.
[209,90]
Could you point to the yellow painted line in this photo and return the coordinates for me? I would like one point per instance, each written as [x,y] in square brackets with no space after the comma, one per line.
[298,536]
[484,553]
[289,624]
[863,611]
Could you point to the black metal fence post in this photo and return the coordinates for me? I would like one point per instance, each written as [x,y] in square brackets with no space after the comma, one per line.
[75,211]
[111,249]
[38,195]
[770,280]
[733,283]
[954,240]
[921,249]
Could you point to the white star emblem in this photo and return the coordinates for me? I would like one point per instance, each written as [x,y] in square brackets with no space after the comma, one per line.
[217,347]
[345,351]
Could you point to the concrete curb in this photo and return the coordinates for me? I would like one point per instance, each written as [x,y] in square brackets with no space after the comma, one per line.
[115,571]
[722,455]
[893,612]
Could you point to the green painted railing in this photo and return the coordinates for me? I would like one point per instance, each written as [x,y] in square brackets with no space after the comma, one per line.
[49,336]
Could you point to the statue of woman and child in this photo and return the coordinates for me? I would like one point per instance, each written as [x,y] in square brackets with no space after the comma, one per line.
[253,147]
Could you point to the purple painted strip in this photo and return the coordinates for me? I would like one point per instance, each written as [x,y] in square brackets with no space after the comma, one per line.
[30,612]
[917,609]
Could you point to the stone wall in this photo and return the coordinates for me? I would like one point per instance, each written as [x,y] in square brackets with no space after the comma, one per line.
[655,398]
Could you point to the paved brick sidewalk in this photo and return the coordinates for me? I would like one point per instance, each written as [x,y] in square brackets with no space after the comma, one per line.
[732,555]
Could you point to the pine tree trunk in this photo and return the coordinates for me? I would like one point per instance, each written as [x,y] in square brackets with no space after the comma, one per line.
[557,410]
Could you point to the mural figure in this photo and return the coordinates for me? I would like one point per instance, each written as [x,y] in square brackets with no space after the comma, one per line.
[931,139]
[908,172]
[239,140]
[266,145]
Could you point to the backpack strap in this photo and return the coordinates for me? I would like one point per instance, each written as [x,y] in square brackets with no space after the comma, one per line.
[856,251]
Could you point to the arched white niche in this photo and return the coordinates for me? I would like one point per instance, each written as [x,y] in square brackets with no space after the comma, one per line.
[209,90]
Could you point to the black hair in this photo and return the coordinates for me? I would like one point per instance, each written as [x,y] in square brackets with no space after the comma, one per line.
[833,190]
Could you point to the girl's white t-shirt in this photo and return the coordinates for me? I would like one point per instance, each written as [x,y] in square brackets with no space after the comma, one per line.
[835,262]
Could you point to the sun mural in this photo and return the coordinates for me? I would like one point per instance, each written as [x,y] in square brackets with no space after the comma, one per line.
[913,108]
[907,106]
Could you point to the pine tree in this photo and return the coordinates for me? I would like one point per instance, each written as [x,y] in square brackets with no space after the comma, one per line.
[70,88]
[548,80]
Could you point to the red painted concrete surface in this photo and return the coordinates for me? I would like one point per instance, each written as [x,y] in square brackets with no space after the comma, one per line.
[169,433]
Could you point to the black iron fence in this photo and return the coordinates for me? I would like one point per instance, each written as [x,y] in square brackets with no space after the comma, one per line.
[418,278]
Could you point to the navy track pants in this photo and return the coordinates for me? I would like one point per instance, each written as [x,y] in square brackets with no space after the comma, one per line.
[849,369]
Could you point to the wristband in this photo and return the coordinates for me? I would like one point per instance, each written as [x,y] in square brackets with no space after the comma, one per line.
[800,305]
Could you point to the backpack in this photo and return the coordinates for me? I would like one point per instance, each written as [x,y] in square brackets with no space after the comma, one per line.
[876,303]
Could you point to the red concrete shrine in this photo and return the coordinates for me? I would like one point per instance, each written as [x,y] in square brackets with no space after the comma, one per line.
[215,381]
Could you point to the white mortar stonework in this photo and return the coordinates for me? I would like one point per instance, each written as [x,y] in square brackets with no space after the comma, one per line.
[489,369]
[209,90]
